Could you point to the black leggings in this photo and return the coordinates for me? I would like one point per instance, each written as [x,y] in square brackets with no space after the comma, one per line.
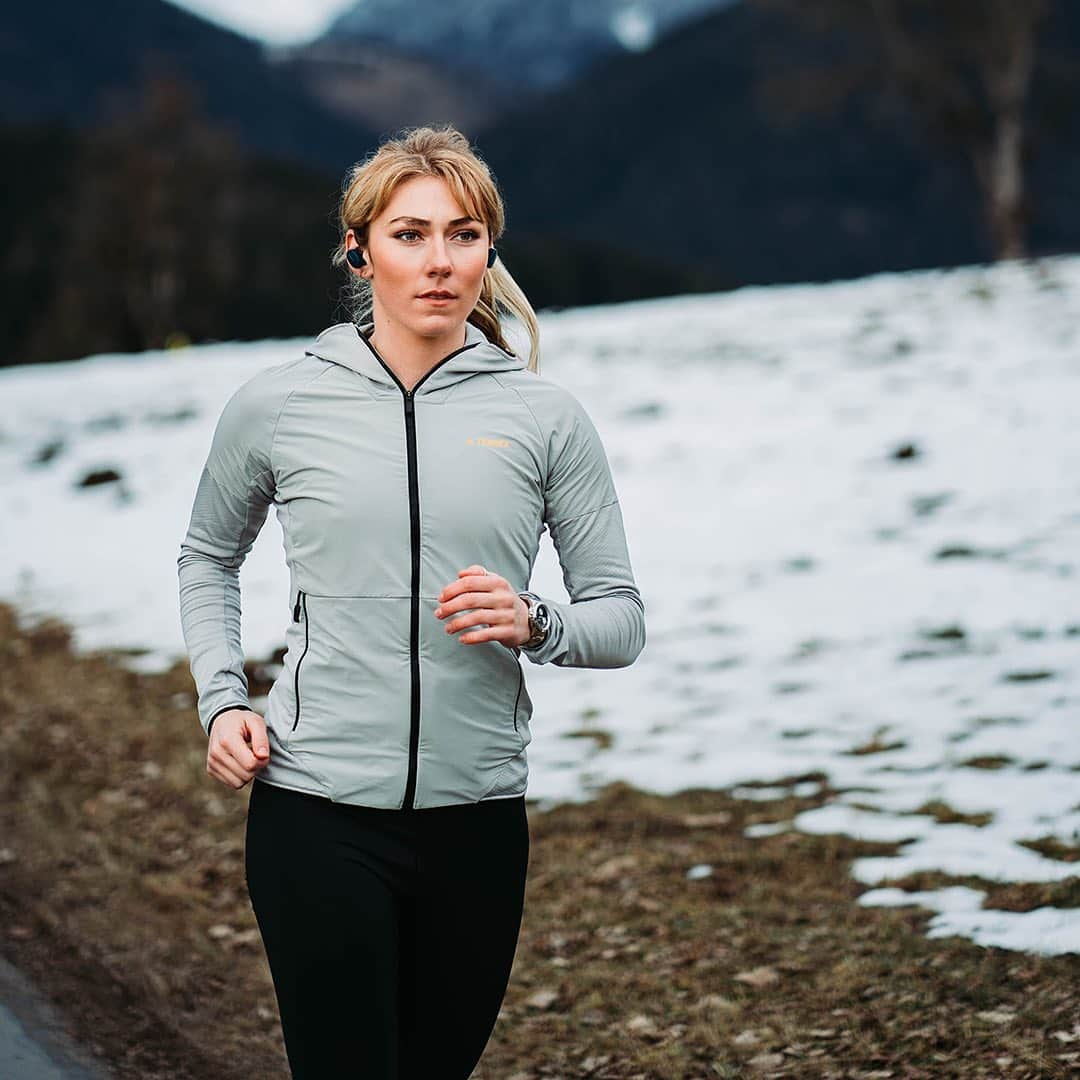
[390,934]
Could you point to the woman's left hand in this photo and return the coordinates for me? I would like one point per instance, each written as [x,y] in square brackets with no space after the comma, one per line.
[491,600]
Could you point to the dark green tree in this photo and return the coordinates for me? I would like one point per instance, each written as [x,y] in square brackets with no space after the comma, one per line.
[962,68]
[149,230]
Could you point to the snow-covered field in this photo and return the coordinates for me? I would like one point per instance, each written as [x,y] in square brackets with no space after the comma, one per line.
[853,512]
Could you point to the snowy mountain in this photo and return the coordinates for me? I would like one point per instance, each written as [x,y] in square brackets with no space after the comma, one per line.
[517,42]
[84,63]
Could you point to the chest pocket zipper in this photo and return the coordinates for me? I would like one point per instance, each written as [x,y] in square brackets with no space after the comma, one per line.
[301,605]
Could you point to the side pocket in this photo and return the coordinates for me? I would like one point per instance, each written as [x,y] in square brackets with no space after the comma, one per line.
[300,610]
[517,698]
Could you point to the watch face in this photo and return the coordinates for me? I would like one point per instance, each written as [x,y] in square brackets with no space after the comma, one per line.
[539,617]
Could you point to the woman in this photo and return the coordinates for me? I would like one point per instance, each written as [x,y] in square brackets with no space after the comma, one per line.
[413,460]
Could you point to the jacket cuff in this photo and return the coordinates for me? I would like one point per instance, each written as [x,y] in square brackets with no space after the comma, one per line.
[225,708]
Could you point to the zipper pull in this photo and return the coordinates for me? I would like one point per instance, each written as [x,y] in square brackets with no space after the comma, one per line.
[296,610]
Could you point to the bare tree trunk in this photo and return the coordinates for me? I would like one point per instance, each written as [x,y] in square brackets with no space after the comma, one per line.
[1007,77]
[1001,180]
[1002,43]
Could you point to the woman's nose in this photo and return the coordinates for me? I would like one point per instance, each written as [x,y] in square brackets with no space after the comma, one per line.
[439,254]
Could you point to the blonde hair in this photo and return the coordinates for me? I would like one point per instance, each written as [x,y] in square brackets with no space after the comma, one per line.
[426,151]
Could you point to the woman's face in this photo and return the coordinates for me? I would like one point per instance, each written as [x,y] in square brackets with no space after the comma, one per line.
[424,240]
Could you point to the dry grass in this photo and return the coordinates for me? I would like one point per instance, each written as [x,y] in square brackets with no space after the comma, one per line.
[122,893]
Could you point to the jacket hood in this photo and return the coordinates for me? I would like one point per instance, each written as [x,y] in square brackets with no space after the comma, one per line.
[347,344]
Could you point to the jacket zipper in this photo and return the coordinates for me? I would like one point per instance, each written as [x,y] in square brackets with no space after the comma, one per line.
[414,522]
[414,622]
[301,602]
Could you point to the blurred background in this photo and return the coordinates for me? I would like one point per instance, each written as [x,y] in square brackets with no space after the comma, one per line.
[812,267]
[173,167]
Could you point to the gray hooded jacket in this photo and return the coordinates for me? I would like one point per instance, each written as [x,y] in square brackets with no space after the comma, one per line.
[383,494]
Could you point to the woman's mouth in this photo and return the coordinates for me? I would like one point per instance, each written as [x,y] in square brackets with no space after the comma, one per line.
[437,297]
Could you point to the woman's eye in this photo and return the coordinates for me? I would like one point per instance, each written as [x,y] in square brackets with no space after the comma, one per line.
[470,234]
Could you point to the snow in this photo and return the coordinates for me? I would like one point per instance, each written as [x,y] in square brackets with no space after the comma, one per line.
[853,511]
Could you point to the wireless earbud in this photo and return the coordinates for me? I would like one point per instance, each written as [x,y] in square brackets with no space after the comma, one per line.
[492,253]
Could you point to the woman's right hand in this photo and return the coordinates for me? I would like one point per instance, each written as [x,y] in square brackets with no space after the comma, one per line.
[238,747]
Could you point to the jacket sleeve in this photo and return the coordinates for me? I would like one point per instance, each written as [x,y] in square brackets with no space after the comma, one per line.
[233,495]
[603,625]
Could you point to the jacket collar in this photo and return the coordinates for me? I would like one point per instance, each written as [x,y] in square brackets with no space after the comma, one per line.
[347,344]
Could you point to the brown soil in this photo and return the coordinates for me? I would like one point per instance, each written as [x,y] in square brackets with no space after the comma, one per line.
[122,895]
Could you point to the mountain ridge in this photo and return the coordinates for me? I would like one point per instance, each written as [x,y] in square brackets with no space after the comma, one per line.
[517,43]
[82,63]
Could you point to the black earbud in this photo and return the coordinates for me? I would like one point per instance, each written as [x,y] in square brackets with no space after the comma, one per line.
[492,253]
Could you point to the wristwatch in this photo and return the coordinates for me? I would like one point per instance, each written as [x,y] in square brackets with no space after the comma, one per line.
[539,620]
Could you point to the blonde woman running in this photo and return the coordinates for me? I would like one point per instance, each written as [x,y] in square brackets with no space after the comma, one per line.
[413,460]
